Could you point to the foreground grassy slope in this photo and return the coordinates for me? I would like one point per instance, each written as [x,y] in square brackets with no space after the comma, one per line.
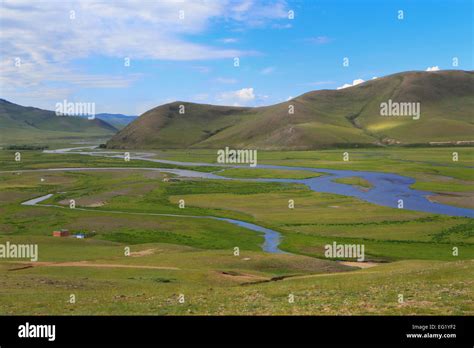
[346,117]
[217,283]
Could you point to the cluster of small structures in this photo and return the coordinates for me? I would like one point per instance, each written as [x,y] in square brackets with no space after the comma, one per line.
[167,179]
[66,233]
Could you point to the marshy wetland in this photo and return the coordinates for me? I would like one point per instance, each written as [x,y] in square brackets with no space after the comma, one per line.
[196,257]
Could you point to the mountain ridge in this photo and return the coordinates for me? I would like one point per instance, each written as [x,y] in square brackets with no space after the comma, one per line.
[27,124]
[322,118]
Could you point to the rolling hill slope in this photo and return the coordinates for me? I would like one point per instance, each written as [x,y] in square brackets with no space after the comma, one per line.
[324,118]
[20,124]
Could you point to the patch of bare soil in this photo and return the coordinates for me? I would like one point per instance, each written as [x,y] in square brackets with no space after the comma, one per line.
[142,253]
[88,264]
[242,277]
[98,200]
[359,264]
[442,178]
[458,199]
[96,204]
[152,174]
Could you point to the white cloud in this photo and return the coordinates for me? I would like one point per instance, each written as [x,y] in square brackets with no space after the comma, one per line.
[256,12]
[149,30]
[267,70]
[46,39]
[432,68]
[44,98]
[354,83]
[240,97]
[46,83]
[242,7]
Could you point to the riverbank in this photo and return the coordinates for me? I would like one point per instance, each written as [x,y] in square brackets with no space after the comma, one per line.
[388,189]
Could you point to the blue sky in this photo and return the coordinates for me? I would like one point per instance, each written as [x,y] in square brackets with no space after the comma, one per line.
[75,50]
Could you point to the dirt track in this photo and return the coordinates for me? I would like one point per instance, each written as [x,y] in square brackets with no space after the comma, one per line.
[87,264]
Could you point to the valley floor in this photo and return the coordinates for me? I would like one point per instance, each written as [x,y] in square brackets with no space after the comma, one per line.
[190,266]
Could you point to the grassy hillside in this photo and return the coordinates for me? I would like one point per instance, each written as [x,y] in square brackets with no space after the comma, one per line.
[325,118]
[20,124]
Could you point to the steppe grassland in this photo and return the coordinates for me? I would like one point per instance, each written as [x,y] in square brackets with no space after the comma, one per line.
[197,255]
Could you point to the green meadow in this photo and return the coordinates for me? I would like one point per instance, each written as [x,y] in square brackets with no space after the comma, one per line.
[445,171]
[355,181]
[412,161]
[140,262]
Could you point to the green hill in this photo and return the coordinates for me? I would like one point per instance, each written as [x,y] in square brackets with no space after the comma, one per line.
[325,118]
[20,125]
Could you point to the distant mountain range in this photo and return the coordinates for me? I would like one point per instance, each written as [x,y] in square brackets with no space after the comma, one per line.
[325,118]
[117,120]
[354,116]
[20,124]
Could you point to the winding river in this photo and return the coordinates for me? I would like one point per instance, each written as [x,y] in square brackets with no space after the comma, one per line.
[271,238]
[387,189]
